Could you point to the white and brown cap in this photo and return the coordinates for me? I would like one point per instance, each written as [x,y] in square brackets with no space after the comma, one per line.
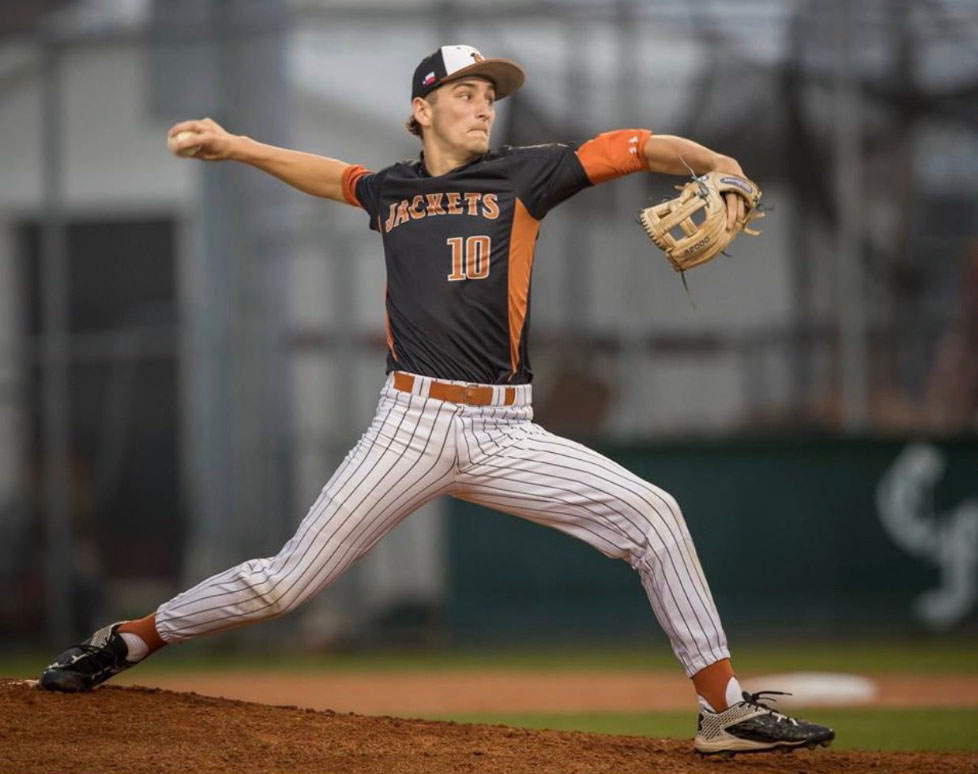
[450,63]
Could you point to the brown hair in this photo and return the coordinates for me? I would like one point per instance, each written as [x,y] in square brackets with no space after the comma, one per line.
[414,127]
[412,124]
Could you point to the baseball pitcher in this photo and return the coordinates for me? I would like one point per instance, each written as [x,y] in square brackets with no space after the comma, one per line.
[455,417]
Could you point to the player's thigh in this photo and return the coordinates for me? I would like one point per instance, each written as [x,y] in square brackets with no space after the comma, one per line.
[399,464]
[563,484]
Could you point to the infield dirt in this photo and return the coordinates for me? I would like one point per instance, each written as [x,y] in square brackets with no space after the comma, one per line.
[136,730]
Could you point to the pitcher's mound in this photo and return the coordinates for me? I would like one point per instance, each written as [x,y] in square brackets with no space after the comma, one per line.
[135,730]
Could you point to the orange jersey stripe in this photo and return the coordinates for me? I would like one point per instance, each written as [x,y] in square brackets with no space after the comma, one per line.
[614,154]
[522,240]
[387,326]
[387,317]
[351,174]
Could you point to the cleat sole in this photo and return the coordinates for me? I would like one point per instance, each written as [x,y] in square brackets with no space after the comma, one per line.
[784,749]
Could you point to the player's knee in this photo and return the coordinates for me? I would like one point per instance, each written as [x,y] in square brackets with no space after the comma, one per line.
[664,525]
[654,504]
[270,597]
[274,601]
[670,506]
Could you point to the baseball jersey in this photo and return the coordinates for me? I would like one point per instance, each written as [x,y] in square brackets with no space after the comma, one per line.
[459,249]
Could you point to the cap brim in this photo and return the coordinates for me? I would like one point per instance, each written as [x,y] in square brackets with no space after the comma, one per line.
[506,75]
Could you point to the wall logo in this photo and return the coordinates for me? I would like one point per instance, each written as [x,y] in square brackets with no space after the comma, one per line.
[905,502]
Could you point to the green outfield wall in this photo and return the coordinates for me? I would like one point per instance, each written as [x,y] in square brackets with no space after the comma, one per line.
[823,537]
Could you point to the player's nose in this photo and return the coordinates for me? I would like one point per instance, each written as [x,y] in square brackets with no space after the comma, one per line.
[483,109]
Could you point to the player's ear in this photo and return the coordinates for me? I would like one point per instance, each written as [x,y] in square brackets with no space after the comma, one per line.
[421,109]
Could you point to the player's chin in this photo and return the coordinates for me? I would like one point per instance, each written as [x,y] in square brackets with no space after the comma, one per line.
[478,142]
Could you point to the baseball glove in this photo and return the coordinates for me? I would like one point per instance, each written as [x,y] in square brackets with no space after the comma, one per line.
[692,228]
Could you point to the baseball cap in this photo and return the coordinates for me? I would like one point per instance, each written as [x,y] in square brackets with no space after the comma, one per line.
[450,63]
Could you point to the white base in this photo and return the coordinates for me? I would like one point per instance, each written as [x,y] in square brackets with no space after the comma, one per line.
[814,689]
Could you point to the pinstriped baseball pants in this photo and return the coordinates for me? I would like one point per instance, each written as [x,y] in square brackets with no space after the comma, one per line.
[418,448]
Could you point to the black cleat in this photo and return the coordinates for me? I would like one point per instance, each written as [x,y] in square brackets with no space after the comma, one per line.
[750,726]
[84,666]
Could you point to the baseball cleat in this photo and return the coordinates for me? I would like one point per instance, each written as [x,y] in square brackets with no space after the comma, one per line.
[750,726]
[84,666]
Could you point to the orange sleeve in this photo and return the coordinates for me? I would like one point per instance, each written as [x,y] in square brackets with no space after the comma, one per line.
[614,154]
[351,175]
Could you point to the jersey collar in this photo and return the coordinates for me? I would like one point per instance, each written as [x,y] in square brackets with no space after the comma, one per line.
[424,169]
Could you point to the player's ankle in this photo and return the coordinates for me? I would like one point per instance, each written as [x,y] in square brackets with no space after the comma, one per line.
[141,637]
[732,694]
[717,686]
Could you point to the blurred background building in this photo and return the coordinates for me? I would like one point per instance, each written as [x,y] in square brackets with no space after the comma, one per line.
[188,349]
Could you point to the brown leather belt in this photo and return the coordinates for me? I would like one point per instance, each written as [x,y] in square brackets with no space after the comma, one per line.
[466,394]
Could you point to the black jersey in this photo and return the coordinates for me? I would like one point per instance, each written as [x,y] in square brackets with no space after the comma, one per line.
[459,252]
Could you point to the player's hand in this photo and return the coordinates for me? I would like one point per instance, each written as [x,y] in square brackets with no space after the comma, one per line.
[735,210]
[213,141]
[735,204]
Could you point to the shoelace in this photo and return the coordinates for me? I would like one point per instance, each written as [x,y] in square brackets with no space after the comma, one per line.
[754,700]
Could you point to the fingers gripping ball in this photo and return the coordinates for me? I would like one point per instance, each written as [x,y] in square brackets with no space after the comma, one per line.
[179,137]
[692,228]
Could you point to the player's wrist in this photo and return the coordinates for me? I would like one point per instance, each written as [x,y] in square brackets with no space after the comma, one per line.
[726,164]
[243,148]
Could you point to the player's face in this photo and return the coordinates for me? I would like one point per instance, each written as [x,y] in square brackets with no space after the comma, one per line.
[462,115]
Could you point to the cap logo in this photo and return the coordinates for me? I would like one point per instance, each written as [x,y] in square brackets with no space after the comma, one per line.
[429,78]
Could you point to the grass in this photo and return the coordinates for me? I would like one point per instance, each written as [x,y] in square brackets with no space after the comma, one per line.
[920,657]
[856,729]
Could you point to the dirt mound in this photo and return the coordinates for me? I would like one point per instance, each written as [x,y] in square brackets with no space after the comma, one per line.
[132,730]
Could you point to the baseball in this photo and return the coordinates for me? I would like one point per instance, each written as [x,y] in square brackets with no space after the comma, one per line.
[173,141]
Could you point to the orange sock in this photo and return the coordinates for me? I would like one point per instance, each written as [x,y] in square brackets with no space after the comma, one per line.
[711,683]
[145,629]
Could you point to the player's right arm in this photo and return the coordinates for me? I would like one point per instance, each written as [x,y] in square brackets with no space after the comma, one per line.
[309,173]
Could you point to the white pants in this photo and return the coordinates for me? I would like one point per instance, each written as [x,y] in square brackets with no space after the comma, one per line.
[418,448]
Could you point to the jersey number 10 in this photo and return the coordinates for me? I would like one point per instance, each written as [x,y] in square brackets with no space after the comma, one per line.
[470,257]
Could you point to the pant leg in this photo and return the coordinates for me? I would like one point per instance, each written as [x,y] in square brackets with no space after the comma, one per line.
[517,467]
[404,460]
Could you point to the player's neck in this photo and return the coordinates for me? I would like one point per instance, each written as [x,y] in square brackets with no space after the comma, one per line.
[439,159]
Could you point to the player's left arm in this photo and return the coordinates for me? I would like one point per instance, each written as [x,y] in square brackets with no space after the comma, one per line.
[623,151]
[666,153]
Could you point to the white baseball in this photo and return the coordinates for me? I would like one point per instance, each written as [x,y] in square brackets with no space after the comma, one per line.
[173,141]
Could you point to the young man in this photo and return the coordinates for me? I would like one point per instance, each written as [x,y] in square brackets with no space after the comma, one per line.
[459,227]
